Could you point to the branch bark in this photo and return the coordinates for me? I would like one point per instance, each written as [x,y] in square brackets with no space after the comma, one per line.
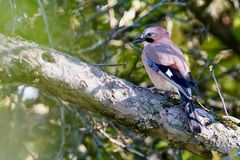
[91,88]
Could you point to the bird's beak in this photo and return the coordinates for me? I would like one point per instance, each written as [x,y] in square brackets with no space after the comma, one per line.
[138,40]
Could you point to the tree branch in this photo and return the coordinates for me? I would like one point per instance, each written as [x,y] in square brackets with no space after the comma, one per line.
[91,88]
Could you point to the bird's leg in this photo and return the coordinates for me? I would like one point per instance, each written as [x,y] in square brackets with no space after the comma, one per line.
[152,89]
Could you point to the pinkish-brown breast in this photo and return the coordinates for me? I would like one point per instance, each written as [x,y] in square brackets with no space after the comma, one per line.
[158,81]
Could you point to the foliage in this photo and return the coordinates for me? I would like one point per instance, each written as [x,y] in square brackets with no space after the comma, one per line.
[100,32]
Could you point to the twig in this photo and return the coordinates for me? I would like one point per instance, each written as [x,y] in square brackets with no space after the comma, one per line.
[96,138]
[227,72]
[114,141]
[62,116]
[103,11]
[218,104]
[198,101]
[99,144]
[45,22]
[134,24]
[109,65]
[218,89]
[12,6]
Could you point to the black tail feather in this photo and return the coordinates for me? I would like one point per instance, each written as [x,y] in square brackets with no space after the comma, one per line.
[194,123]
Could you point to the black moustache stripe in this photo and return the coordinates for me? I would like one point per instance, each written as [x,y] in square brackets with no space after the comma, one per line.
[149,40]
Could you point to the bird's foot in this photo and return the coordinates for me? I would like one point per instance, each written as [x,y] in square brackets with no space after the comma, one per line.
[152,89]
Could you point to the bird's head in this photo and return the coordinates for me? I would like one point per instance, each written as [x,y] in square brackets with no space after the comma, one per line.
[151,35]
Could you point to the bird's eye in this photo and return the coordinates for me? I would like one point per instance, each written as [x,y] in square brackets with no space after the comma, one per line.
[149,35]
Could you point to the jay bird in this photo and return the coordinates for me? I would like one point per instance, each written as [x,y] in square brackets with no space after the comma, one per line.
[168,69]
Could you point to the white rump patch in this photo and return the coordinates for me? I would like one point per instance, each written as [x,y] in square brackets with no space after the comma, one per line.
[169,73]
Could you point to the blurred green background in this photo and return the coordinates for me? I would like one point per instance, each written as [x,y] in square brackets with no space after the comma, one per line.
[35,125]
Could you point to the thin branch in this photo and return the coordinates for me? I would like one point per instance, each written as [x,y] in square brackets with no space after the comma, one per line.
[99,144]
[122,145]
[114,141]
[218,104]
[45,22]
[118,31]
[13,7]
[110,65]
[218,89]
[227,72]
[62,116]
[103,11]
[97,138]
